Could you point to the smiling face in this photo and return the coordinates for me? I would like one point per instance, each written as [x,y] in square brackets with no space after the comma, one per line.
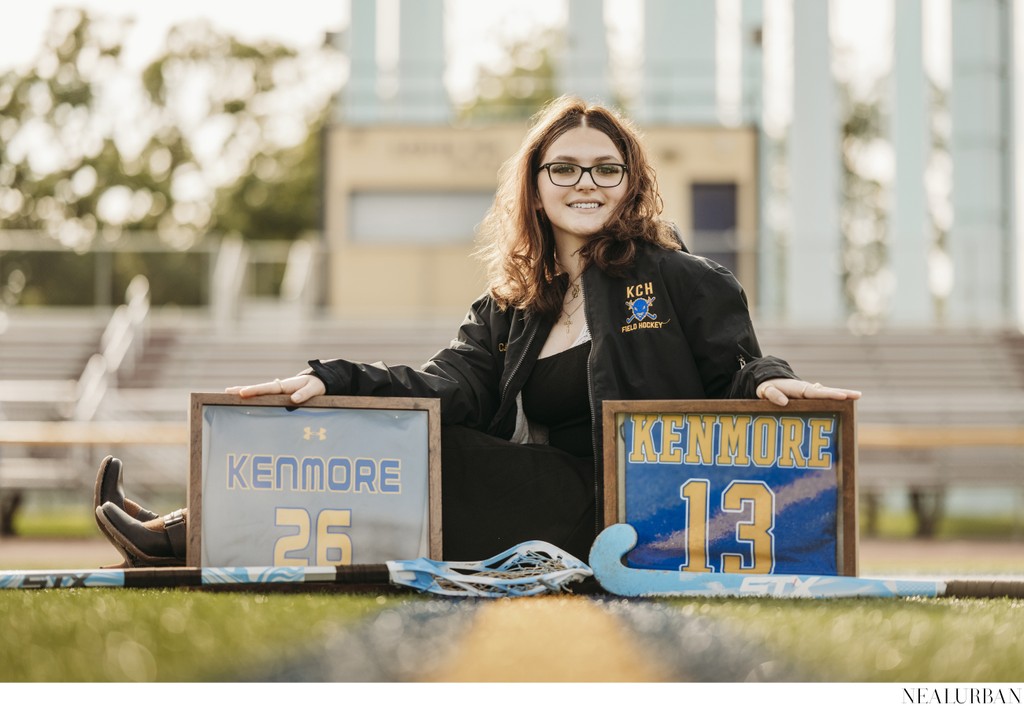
[583,210]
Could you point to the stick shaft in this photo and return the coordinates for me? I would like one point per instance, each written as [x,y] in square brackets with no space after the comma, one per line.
[184,577]
[984,588]
[616,541]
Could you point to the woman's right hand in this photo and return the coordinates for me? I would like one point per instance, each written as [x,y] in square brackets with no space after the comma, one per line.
[300,388]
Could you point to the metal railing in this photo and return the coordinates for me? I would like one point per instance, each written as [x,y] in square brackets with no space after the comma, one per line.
[230,268]
[120,347]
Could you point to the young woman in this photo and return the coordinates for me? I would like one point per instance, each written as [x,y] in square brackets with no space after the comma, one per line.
[591,297]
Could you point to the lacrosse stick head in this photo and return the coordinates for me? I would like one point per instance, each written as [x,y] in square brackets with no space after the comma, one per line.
[529,568]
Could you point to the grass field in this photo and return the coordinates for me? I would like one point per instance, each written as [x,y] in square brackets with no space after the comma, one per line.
[195,636]
[885,640]
[128,636]
[161,635]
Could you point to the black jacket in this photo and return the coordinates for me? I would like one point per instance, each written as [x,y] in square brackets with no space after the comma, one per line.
[677,326]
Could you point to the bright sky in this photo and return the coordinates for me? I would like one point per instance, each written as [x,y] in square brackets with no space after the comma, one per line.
[476,28]
[477,32]
[299,22]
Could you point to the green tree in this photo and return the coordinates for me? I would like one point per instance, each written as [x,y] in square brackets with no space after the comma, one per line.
[863,213]
[518,86]
[90,149]
[55,158]
[279,195]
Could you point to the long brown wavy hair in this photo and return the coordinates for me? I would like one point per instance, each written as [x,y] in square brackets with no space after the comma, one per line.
[517,242]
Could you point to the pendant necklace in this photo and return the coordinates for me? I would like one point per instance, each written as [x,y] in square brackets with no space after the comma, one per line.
[568,319]
[574,287]
[568,315]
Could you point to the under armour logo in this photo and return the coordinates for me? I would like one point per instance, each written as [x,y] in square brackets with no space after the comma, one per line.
[308,434]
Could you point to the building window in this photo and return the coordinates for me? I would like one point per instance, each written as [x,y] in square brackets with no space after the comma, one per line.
[419,218]
[714,223]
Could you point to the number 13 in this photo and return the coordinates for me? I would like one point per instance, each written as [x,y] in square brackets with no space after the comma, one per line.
[756,532]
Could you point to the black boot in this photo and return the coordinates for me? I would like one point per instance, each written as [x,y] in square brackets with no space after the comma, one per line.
[157,542]
[110,488]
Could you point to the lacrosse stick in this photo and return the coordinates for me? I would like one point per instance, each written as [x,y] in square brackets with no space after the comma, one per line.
[530,568]
[616,541]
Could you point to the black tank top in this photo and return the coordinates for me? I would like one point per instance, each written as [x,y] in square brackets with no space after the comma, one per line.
[557,395]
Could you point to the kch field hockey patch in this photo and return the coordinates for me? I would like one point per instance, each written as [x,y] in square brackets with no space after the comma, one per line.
[640,302]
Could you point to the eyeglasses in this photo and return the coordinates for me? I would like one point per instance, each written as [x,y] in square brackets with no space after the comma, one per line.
[567,174]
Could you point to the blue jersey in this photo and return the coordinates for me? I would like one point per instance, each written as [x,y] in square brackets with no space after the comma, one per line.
[753,493]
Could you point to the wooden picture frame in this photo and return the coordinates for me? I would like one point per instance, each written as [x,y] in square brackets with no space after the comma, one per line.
[806,449]
[378,458]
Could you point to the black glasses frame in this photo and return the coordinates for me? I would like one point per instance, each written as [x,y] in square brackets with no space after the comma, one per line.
[546,167]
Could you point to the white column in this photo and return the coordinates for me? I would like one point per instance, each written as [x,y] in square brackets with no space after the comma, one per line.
[910,230]
[1017,92]
[421,96]
[679,68]
[360,103]
[752,92]
[813,284]
[752,60]
[585,72]
[979,238]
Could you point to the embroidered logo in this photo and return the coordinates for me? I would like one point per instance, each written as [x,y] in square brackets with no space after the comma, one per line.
[640,301]
[640,309]
[308,433]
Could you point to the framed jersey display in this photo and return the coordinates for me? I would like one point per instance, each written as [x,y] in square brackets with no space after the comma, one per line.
[338,480]
[734,486]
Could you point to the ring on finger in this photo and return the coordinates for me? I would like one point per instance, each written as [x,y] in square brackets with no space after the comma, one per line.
[280,386]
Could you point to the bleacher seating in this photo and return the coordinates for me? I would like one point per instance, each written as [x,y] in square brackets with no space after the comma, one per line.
[941,382]
[948,376]
[201,358]
[42,354]
[946,408]
[40,360]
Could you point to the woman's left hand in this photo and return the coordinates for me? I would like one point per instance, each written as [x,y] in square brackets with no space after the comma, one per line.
[780,391]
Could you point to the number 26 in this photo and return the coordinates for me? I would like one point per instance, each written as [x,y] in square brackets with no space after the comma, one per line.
[327,538]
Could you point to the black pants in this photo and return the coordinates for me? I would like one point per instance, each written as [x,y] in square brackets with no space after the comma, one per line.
[496,494]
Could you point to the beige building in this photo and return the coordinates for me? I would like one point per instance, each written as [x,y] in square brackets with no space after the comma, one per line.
[406,185]
[403,201]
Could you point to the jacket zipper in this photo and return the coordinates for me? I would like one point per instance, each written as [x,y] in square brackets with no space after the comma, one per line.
[598,502]
[515,370]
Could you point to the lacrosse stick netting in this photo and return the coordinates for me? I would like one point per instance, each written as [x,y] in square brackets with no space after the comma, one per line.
[530,568]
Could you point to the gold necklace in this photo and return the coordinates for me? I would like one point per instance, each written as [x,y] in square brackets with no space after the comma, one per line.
[574,286]
[568,317]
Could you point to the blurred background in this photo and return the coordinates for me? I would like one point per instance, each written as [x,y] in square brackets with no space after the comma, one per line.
[212,193]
